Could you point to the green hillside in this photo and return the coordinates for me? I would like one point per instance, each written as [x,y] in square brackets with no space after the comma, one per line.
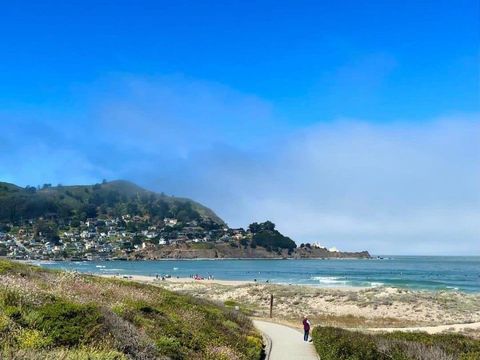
[115,198]
[57,315]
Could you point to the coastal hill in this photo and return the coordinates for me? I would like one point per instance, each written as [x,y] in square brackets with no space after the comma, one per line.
[79,202]
[120,220]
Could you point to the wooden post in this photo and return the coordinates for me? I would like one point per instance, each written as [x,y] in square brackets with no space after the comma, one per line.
[271,304]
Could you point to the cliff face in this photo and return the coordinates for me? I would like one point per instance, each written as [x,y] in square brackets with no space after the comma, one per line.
[225,251]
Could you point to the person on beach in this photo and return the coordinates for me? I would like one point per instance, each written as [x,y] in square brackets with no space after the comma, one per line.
[306,328]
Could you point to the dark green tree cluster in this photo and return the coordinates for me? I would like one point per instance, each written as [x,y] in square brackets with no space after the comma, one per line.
[265,235]
[78,203]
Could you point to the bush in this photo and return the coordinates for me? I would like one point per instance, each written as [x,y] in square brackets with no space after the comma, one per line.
[338,344]
[334,343]
[64,354]
[170,346]
[127,338]
[255,347]
[32,339]
[68,324]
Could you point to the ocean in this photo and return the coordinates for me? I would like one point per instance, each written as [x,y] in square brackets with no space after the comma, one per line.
[414,272]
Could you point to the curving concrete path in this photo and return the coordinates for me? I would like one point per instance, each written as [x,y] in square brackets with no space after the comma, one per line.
[286,342]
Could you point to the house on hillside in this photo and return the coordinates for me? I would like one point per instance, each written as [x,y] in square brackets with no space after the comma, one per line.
[170,222]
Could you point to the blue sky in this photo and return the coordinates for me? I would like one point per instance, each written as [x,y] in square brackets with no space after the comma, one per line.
[354,124]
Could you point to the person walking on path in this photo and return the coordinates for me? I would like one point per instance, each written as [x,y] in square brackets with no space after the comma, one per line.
[306,328]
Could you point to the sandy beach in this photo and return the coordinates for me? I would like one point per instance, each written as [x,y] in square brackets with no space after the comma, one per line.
[381,308]
[178,280]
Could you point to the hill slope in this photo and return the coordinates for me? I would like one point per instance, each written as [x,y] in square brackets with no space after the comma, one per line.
[57,315]
[113,198]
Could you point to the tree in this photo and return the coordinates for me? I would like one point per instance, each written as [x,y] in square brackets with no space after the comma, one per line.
[75,223]
[132,208]
[268,226]
[90,211]
[273,240]
[265,226]
[138,239]
[254,227]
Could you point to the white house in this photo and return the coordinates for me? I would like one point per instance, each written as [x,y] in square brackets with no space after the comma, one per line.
[170,222]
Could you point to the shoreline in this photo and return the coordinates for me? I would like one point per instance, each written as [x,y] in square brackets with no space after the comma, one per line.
[322,281]
[363,309]
[175,280]
[188,280]
[200,259]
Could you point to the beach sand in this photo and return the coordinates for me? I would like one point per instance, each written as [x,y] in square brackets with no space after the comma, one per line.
[378,308]
[178,280]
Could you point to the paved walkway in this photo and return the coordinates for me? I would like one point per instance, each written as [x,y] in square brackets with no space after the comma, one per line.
[287,343]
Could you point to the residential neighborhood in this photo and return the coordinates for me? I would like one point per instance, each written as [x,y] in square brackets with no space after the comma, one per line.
[107,238]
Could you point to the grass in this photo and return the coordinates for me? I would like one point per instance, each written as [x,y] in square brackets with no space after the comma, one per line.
[338,344]
[57,315]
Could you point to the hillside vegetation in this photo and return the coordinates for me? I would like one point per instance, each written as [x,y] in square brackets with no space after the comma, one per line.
[115,198]
[338,344]
[120,220]
[58,315]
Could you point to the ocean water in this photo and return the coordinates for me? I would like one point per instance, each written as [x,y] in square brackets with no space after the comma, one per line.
[414,272]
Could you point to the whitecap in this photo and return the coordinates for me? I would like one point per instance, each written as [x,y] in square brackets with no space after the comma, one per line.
[329,280]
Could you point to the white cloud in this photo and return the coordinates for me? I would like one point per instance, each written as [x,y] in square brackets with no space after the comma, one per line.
[390,188]
[405,187]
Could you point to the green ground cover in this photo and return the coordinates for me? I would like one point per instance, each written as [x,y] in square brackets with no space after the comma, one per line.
[58,315]
[338,344]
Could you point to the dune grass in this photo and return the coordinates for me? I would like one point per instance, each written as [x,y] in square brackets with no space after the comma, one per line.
[58,315]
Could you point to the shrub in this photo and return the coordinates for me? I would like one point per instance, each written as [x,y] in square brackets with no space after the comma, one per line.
[450,343]
[334,343]
[255,347]
[63,354]
[127,338]
[8,266]
[68,324]
[32,339]
[170,346]
[338,344]
[221,353]
[4,323]
[230,303]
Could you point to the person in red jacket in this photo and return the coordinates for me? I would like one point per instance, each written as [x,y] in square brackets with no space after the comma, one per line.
[306,328]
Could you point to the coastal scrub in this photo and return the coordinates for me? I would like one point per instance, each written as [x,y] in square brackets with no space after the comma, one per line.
[50,314]
[338,344]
